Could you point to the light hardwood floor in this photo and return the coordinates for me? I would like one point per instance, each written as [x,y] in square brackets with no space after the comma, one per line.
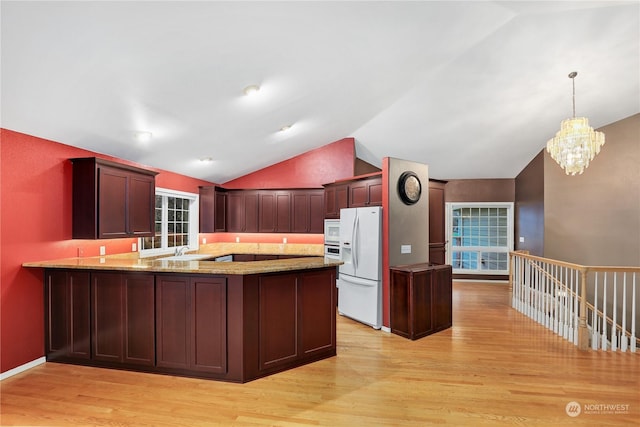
[494,367]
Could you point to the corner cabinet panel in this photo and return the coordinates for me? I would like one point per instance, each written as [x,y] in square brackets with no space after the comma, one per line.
[278,320]
[317,312]
[67,316]
[111,200]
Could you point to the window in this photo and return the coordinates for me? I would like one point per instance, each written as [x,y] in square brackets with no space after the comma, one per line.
[480,236]
[176,223]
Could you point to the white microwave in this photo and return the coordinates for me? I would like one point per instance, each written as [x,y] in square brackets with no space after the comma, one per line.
[331,231]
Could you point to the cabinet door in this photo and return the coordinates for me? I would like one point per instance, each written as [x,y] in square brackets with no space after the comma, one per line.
[112,203]
[374,190]
[330,207]
[283,212]
[122,324]
[278,338]
[358,194]
[251,209]
[267,210]
[107,321]
[300,206]
[141,203]
[220,219]
[208,328]
[191,321]
[173,337]
[207,209]
[235,211]
[138,322]
[317,312]
[316,211]
[67,316]
[442,297]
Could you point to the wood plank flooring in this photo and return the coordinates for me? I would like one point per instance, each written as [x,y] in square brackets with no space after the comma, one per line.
[493,367]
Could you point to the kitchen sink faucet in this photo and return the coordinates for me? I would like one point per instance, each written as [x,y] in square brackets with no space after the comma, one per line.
[180,250]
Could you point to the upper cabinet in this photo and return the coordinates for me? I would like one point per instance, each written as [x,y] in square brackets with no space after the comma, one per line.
[355,193]
[213,209]
[112,200]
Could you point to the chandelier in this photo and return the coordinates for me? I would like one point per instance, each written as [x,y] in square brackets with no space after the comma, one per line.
[576,143]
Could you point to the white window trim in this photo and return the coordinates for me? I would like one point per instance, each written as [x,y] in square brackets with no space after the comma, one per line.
[194,223]
[450,206]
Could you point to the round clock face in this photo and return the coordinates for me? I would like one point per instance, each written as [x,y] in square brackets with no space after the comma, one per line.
[409,187]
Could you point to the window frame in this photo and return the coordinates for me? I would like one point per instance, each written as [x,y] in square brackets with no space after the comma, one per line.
[449,208]
[194,223]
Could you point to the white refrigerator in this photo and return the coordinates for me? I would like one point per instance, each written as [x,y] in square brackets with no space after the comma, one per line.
[360,278]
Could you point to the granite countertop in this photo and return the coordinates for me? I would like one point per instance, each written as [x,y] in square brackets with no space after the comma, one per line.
[312,257]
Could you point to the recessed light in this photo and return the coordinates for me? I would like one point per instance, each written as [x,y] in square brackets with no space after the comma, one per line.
[285,128]
[142,136]
[251,90]
[206,159]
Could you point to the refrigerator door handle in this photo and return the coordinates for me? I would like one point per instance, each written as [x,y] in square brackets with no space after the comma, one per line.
[356,229]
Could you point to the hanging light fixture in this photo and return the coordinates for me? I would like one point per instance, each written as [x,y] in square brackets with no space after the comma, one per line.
[576,143]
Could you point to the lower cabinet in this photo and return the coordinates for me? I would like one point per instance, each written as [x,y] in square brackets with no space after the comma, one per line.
[421,299]
[191,323]
[122,323]
[232,327]
[67,315]
[296,317]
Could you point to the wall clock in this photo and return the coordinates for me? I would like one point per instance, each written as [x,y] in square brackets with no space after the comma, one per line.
[409,187]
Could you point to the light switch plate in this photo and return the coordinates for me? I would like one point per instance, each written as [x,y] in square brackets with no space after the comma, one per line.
[103,250]
[521,239]
[405,249]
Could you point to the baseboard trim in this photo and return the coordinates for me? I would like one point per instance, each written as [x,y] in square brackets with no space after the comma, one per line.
[22,368]
[385,329]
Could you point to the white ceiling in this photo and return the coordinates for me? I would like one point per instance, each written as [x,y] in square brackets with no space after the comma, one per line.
[473,89]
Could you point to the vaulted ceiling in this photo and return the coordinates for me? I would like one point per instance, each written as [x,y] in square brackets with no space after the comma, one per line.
[473,89]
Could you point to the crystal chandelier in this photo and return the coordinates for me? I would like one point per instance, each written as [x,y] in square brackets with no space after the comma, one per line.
[576,143]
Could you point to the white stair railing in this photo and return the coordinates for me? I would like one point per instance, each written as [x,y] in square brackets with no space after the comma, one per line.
[590,306]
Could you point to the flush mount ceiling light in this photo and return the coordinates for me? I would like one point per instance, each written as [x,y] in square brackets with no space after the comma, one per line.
[576,143]
[142,136]
[206,159]
[251,90]
[285,128]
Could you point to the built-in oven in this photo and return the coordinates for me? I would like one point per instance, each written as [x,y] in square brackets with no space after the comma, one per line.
[332,232]
[332,252]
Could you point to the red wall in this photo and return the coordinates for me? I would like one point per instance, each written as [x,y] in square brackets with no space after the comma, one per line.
[308,170]
[35,225]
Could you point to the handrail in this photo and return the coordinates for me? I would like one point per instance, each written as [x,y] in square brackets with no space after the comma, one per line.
[539,290]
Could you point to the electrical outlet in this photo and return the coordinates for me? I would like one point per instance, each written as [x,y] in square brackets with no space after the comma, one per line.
[103,250]
[80,252]
[134,247]
[237,239]
[521,239]
[204,240]
[284,240]
[405,249]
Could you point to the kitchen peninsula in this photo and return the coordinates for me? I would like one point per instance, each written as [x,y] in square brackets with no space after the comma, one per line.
[230,321]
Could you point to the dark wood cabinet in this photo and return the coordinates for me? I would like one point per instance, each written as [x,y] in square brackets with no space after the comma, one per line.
[365,192]
[437,235]
[354,193]
[191,323]
[122,322]
[242,211]
[308,211]
[421,299]
[67,315]
[111,200]
[213,210]
[296,317]
[275,211]
[336,197]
